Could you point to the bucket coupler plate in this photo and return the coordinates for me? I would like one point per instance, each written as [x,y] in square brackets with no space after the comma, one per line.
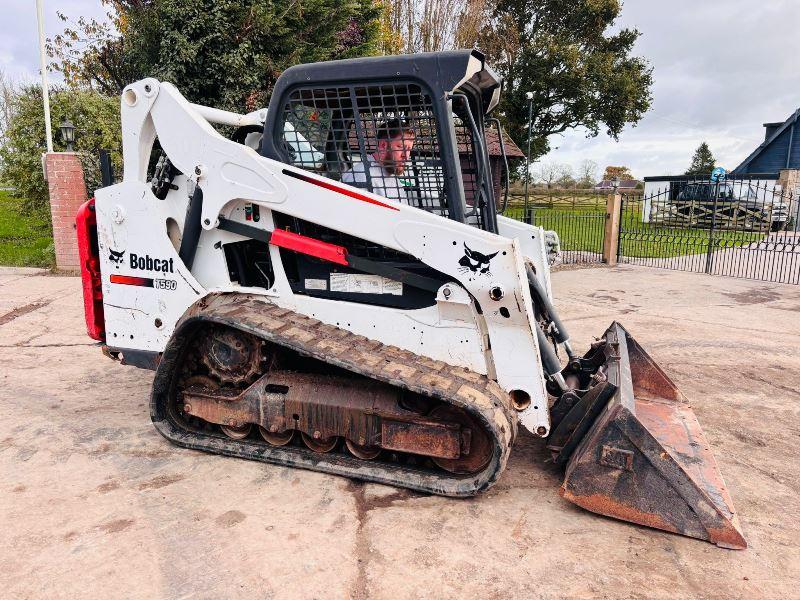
[645,459]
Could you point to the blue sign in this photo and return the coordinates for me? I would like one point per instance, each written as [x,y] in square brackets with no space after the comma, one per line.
[718,174]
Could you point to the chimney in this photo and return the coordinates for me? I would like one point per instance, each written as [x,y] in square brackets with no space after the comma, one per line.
[770,128]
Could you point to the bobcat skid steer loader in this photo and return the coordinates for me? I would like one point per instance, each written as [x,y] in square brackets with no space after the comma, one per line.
[327,284]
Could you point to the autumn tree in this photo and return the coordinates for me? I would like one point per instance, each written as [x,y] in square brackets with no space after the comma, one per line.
[620,173]
[434,25]
[703,161]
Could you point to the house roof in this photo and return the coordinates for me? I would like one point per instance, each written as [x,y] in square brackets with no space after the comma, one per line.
[780,149]
[492,144]
[623,184]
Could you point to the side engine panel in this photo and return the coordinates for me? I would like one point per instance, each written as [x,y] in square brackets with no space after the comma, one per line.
[146,287]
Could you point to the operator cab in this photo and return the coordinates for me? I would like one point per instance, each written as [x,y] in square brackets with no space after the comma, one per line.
[329,118]
[332,118]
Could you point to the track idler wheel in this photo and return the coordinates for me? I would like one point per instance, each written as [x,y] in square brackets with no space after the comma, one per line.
[480,447]
[232,356]
[320,445]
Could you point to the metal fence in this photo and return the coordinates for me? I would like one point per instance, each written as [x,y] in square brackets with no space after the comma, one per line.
[739,227]
[578,216]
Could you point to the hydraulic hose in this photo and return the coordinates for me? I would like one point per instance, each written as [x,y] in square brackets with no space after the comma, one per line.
[561,335]
[191,228]
[550,362]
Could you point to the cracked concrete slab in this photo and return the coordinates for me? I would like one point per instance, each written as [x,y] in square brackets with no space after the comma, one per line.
[95,503]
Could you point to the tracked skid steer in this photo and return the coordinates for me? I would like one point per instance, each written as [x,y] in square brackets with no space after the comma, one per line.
[328,284]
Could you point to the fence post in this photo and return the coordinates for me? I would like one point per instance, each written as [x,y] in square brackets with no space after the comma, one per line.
[711,237]
[611,233]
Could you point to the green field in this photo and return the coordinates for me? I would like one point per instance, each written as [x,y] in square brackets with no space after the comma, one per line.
[581,229]
[25,240]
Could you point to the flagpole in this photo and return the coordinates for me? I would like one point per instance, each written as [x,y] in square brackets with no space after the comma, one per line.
[45,92]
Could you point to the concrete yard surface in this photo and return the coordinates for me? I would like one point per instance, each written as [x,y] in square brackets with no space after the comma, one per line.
[94,503]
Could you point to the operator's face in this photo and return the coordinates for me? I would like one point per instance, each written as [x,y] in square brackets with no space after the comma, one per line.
[396,152]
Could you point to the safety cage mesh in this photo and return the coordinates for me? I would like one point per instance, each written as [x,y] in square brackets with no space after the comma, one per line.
[378,137]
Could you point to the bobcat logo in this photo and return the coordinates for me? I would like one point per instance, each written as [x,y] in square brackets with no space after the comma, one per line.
[115,257]
[475,261]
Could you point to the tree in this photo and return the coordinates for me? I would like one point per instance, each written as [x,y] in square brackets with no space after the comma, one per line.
[96,53]
[621,173]
[587,173]
[434,25]
[224,53]
[96,119]
[8,93]
[547,172]
[580,74]
[566,176]
[703,161]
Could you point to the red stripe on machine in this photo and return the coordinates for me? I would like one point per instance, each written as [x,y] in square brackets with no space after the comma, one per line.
[306,245]
[129,280]
[335,188]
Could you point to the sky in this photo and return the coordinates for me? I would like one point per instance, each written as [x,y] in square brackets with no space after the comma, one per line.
[721,69]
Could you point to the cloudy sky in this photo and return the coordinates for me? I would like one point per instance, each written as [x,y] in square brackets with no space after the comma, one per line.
[721,69]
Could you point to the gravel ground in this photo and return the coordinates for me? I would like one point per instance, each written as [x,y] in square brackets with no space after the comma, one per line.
[94,503]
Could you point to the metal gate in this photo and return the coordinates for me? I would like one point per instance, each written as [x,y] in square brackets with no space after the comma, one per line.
[739,228]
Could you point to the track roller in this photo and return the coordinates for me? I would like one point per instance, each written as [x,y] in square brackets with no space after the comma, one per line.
[362,452]
[280,438]
[236,432]
[321,445]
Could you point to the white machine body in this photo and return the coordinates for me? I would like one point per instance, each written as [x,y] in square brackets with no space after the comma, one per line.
[483,320]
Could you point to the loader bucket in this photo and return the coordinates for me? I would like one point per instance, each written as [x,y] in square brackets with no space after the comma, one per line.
[645,458]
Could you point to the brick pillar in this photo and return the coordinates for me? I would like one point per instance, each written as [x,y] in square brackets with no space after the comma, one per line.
[789,180]
[64,174]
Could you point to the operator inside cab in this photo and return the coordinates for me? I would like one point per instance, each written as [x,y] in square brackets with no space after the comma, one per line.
[395,140]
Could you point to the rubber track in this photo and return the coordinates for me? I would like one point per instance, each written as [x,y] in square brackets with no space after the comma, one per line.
[474,392]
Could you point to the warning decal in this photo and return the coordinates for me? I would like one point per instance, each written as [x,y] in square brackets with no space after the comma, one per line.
[364,284]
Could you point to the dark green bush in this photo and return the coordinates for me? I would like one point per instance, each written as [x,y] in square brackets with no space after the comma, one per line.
[97,126]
